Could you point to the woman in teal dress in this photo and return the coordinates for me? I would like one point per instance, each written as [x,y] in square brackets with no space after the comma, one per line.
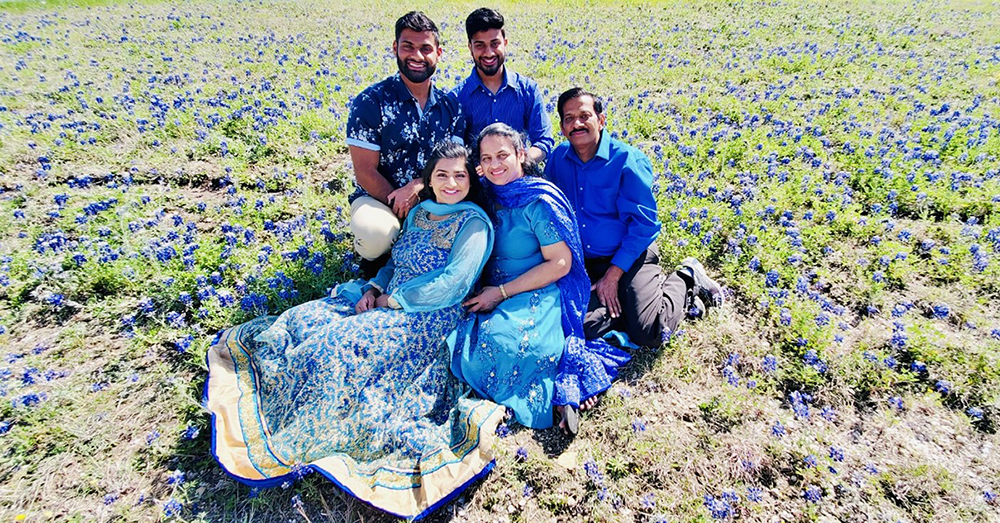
[357,386]
[524,348]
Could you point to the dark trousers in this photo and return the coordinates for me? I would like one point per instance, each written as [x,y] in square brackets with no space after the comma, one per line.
[651,303]
[369,268]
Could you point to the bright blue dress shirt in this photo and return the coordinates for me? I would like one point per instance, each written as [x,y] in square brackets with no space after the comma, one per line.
[518,103]
[612,196]
[386,118]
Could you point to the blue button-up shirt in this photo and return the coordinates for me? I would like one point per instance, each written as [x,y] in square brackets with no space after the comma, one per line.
[517,103]
[386,118]
[613,198]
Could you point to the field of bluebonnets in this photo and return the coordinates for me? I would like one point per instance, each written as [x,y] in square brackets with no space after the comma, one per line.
[168,169]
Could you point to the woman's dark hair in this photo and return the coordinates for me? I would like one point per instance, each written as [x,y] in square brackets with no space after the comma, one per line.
[417,22]
[517,140]
[449,150]
[484,19]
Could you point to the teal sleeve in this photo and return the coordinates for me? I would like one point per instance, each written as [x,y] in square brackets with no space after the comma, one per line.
[540,222]
[448,286]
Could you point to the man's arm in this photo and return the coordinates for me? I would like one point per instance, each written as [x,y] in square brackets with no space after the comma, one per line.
[538,125]
[366,173]
[637,209]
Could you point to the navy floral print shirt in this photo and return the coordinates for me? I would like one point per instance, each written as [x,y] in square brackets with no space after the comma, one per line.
[386,118]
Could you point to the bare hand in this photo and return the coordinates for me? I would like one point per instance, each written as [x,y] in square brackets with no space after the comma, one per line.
[404,198]
[485,301]
[607,290]
[382,300]
[366,302]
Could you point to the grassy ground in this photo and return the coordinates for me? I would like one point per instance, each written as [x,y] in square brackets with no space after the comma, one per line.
[169,169]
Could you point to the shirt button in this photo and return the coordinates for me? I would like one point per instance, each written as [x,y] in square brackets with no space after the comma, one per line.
[581,188]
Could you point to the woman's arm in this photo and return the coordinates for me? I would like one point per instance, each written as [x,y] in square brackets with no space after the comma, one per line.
[449,285]
[558,261]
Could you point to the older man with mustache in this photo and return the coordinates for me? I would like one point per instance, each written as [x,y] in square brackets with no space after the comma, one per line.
[609,185]
[390,131]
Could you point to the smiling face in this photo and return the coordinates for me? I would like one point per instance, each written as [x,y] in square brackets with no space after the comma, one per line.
[417,54]
[488,49]
[450,180]
[581,125]
[500,161]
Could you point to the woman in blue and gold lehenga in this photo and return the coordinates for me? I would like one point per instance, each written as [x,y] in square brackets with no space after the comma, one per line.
[358,386]
[525,347]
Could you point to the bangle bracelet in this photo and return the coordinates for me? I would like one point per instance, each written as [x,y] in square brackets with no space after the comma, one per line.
[503,292]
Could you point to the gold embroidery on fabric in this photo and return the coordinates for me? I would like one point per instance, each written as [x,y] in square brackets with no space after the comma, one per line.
[441,236]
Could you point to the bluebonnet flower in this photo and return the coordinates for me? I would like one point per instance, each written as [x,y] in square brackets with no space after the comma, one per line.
[772,278]
[176,478]
[55,299]
[182,345]
[812,494]
[731,377]
[975,413]
[593,473]
[836,454]
[521,454]
[829,414]
[770,363]
[990,497]
[31,399]
[110,498]
[896,402]
[755,494]
[638,425]
[777,430]
[172,508]
[940,310]
[810,461]
[528,491]
[649,500]
[719,508]
[152,436]
[503,430]
[191,432]
[943,386]
[4,427]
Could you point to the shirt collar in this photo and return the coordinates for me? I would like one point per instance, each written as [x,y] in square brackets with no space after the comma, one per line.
[508,77]
[603,149]
[404,92]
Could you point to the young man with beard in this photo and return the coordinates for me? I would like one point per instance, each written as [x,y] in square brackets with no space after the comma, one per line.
[493,93]
[391,129]
[609,185]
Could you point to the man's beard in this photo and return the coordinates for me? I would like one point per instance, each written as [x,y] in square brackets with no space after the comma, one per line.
[415,76]
[490,71]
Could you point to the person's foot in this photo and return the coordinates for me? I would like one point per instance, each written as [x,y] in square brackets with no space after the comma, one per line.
[589,403]
[702,285]
[569,419]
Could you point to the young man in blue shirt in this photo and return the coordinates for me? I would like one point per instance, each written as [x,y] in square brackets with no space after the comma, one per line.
[609,184]
[391,129]
[493,93]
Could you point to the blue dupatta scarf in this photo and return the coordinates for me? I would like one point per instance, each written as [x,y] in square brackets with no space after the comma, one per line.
[587,367]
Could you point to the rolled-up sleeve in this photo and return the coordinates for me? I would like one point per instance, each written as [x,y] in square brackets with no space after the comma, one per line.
[637,209]
[539,126]
[364,123]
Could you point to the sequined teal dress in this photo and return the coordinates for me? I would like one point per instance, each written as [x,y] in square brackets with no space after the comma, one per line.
[367,400]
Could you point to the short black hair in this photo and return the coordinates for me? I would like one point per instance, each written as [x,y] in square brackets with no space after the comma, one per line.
[483,19]
[418,22]
[577,92]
